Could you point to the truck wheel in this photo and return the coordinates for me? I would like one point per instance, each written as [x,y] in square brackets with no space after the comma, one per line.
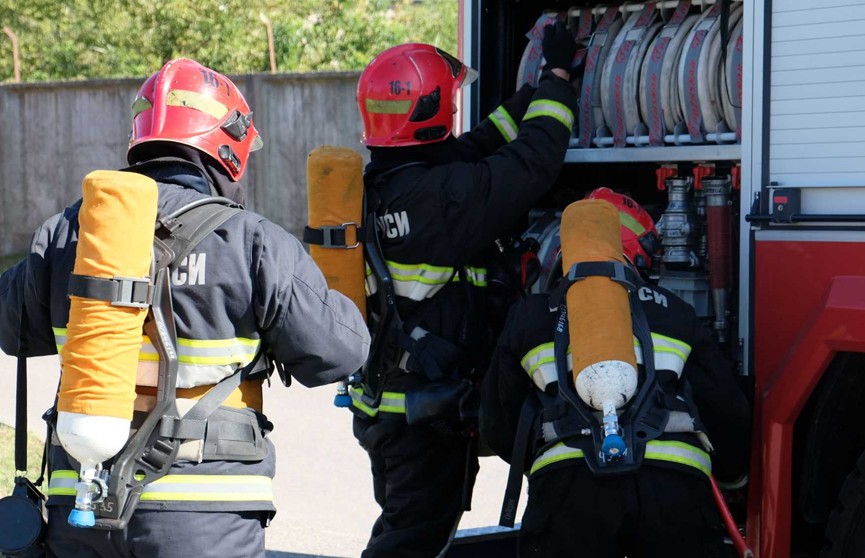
[845,530]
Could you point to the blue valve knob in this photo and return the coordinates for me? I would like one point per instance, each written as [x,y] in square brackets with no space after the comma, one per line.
[81,518]
[342,400]
[613,446]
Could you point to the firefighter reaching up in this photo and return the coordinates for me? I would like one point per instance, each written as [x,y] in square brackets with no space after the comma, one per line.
[684,420]
[244,293]
[439,204]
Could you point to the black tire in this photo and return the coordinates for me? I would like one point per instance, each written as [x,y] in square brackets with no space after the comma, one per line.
[845,530]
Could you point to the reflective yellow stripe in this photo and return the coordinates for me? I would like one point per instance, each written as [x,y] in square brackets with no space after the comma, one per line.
[656,450]
[477,276]
[357,402]
[188,488]
[234,351]
[553,109]
[391,402]
[558,452]
[670,354]
[679,452]
[209,488]
[197,101]
[418,281]
[631,224]
[62,483]
[385,106]
[540,364]
[504,123]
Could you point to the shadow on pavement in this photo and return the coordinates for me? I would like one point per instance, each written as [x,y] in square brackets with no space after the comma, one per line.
[281,554]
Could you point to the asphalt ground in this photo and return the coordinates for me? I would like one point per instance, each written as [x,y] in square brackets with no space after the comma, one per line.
[323,485]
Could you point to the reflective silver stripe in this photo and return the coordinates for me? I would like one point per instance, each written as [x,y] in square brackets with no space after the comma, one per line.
[670,354]
[418,281]
[558,452]
[553,109]
[210,488]
[656,450]
[62,483]
[540,364]
[391,402]
[679,452]
[504,123]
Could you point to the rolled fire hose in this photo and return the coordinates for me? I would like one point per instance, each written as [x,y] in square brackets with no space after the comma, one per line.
[103,339]
[601,336]
[693,75]
[668,98]
[531,63]
[712,70]
[731,84]
[619,97]
[591,112]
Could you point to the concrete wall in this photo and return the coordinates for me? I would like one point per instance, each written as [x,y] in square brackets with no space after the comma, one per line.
[53,134]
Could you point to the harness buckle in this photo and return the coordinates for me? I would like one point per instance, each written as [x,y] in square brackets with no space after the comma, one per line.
[329,235]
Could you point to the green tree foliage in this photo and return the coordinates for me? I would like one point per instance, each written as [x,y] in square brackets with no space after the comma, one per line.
[86,39]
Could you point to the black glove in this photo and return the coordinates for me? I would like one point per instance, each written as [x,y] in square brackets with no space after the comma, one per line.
[559,47]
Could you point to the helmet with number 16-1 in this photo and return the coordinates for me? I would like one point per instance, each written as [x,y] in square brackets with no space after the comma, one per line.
[640,240]
[191,104]
[406,95]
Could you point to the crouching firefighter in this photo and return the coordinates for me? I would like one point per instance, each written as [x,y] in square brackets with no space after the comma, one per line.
[159,444]
[605,393]
[435,204]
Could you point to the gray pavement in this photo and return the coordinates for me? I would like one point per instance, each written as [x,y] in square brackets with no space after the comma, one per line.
[323,485]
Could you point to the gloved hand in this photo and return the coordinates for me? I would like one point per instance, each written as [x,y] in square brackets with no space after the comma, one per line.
[559,47]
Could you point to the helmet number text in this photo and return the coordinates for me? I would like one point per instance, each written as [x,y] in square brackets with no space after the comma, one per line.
[396,87]
[211,79]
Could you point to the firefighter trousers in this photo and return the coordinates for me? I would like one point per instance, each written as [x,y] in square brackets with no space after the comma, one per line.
[421,479]
[654,513]
[162,534]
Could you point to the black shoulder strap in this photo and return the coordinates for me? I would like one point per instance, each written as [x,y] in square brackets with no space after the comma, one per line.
[179,233]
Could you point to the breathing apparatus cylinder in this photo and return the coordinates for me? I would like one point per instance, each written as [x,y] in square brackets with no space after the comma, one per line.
[99,359]
[602,343]
[335,203]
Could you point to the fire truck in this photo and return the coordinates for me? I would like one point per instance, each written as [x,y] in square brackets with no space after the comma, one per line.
[741,126]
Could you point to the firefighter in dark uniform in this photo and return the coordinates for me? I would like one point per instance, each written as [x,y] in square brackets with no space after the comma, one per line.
[665,508]
[256,292]
[441,203]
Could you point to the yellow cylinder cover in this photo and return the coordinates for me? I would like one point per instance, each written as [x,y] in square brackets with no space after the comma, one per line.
[599,315]
[115,238]
[335,197]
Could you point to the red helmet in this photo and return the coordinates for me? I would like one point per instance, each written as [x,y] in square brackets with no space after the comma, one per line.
[406,95]
[640,239]
[187,103]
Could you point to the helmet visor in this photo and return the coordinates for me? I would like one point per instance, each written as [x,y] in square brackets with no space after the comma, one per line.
[469,75]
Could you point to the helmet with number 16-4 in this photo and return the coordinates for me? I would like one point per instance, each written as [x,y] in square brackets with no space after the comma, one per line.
[191,104]
[640,240]
[406,95]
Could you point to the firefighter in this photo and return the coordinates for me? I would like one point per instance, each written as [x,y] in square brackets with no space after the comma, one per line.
[441,202]
[664,507]
[255,296]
